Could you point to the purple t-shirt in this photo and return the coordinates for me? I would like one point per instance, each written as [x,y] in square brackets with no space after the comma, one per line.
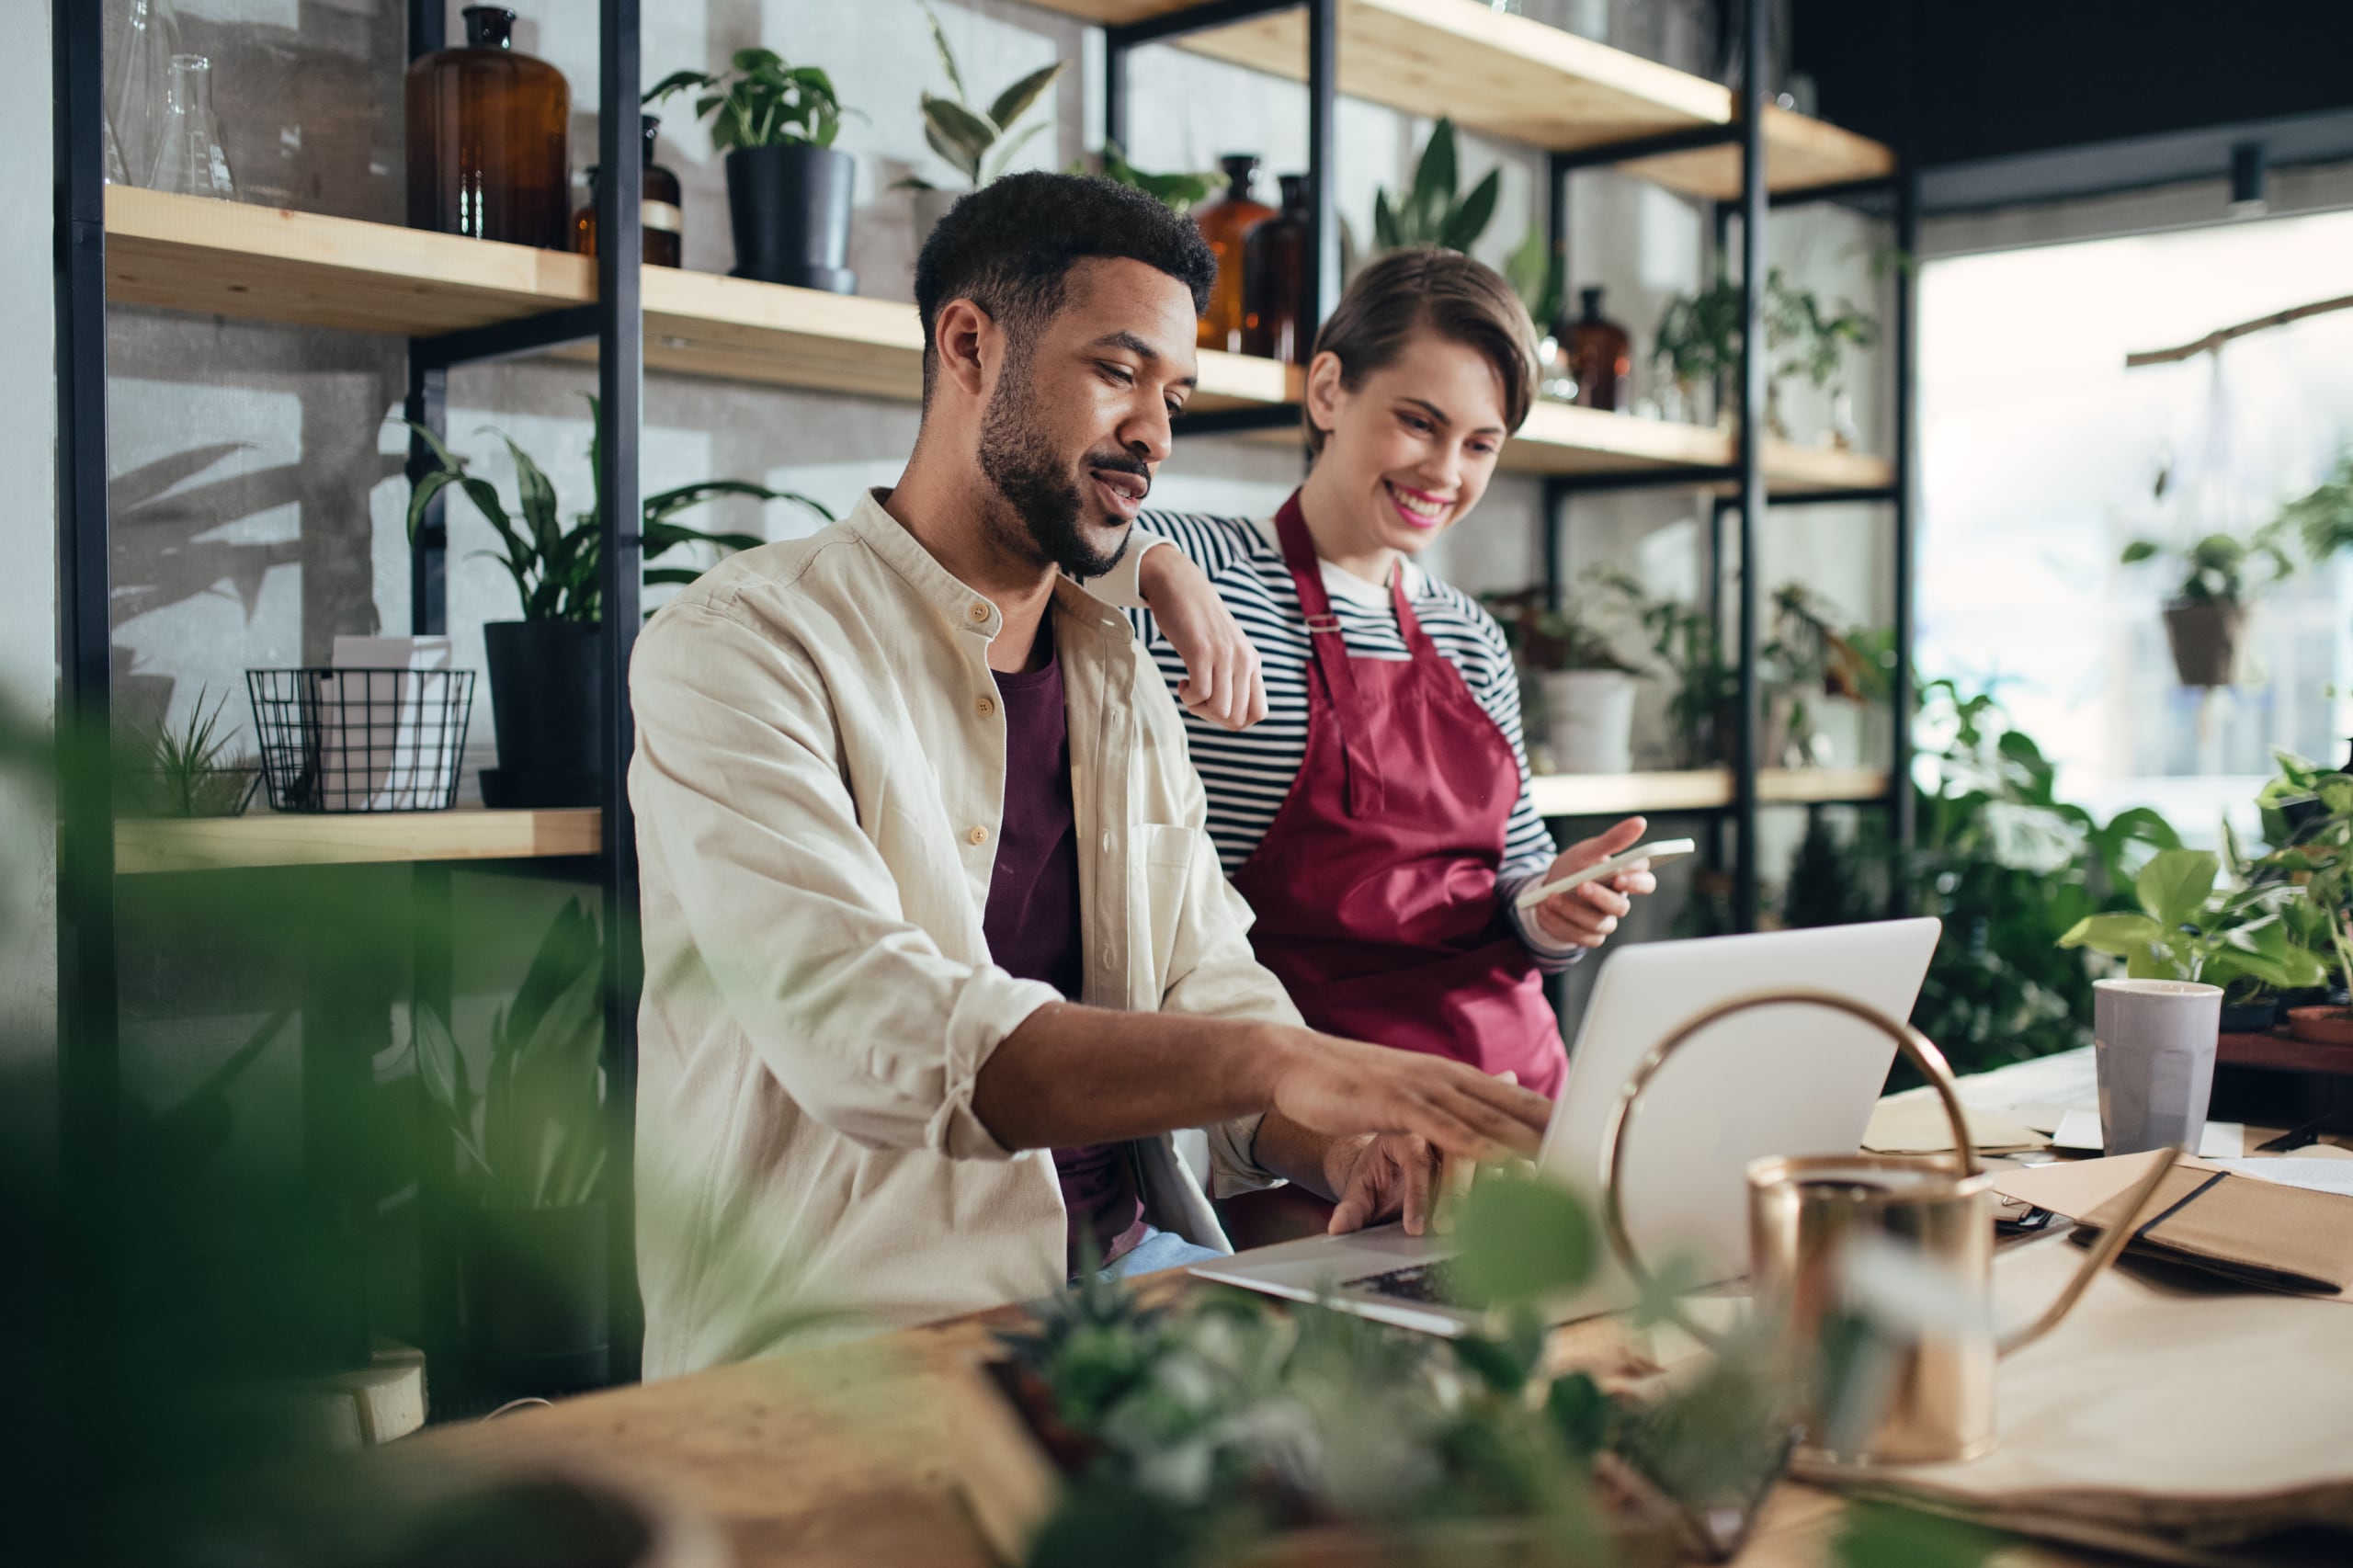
[1032,927]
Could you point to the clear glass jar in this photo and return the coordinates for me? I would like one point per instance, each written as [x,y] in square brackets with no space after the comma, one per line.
[189,160]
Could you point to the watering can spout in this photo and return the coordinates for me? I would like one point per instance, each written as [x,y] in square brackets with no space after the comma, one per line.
[2103,1253]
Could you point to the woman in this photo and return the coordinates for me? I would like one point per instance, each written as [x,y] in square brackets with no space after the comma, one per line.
[1378,820]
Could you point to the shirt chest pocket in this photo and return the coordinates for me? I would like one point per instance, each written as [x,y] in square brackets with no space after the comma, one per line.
[1160,869]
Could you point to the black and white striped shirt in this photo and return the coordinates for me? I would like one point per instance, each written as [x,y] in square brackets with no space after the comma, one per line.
[1248,775]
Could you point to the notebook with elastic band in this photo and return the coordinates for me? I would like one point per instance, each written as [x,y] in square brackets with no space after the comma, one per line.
[2258,1233]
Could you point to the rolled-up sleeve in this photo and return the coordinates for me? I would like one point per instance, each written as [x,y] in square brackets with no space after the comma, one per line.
[791,910]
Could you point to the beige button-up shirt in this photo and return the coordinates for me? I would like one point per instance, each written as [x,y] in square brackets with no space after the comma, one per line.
[818,782]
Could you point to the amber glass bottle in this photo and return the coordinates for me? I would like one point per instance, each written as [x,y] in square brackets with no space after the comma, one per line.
[486,139]
[661,218]
[1274,281]
[1600,357]
[1225,223]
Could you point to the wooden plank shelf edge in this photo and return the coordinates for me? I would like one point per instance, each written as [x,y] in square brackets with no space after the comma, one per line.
[1699,790]
[276,838]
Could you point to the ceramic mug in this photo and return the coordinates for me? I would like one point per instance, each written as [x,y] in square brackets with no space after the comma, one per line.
[2154,1042]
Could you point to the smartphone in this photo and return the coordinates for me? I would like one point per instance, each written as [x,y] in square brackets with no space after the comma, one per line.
[1664,849]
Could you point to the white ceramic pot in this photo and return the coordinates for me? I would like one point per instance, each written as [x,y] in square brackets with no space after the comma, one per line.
[931,205]
[1590,717]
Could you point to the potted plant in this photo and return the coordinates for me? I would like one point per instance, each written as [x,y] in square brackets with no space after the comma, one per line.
[1697,346]
[2308,817]
[2185,930]
[1809,657]
[978,143]
[788,189]
[1180,193]
[1429,214]
[545,684]
[187,769]
[530,1146]
[1588,686]
[1817,339]
[2206,619]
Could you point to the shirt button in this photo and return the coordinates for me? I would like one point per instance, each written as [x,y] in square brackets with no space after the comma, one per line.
[980,612]
[1107,844]
[985,706]
[978,836]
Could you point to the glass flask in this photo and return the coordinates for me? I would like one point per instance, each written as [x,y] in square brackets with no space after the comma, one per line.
[1224,223]
[661,217]
[189,160]
[141,36]
[1275,266]
[487,139]
[1600,357]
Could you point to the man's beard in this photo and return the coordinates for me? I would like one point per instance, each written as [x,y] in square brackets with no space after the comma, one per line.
[1020,460]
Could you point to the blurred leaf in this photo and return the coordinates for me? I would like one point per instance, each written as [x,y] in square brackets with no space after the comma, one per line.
[1521,1239]
[1461,228]
[1881,1535]
[2174,884]
[1016,99]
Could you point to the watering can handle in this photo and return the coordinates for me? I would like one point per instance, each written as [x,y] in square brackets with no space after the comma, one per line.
[2103,1253]
[1917,1048]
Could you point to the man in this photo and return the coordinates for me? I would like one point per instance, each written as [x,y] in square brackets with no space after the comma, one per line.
[938,954]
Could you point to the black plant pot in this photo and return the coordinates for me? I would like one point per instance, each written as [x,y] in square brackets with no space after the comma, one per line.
[2249,1018]
[547,700]
[789,209]
[534,1290]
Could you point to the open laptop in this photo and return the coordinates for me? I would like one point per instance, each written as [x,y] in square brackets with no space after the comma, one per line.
[1783,1080]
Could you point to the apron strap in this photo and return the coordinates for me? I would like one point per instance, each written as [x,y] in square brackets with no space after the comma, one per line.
[1330,650]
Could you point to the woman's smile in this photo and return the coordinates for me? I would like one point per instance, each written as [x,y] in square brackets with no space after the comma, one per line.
[1418,508]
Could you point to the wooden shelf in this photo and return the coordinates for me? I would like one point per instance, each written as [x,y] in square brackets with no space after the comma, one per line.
[186,253]
[1700,789]
[1526,82]
[269,838]
[2281,1052]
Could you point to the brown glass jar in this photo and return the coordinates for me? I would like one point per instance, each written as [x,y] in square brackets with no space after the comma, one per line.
[1275,266]
[660,216]
[488,136]
[1601,357]
[1225,223]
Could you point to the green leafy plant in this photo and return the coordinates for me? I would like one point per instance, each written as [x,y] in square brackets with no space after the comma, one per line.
[2183,930]
[555,567]
[2308,821]
[1431,215]
[1179,193]
[761,102]
[1810,656]
[530,1136]
[1698,335]
[2222,568]
[187,770]
[1817,337]
[1538,274]
[2322,516]
[978,143]
[1572,637]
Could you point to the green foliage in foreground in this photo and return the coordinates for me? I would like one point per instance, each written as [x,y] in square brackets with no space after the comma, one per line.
[1207,1429]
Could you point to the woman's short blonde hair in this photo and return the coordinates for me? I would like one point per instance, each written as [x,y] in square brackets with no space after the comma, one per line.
[1423,289]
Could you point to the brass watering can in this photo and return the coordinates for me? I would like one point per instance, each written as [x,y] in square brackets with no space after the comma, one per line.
[1809,1214]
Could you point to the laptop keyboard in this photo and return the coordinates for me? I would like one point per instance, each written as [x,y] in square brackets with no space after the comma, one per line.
[1432,1283]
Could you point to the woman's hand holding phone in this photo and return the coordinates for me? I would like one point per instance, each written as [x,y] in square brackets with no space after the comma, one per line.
[1587,915]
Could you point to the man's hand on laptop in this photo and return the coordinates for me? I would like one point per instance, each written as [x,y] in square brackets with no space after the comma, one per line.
[1380,1177]
[1343,1087]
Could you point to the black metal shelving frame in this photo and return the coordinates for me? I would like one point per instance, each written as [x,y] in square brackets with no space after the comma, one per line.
[1749,496]
[89,1076]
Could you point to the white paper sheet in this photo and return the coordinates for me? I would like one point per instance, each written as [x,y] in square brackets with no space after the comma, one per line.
[2317,1175]
[2079,1128]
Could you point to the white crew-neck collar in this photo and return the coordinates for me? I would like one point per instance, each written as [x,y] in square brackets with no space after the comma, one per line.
[1341,583]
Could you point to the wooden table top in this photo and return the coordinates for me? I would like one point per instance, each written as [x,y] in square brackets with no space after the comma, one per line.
[834,1457]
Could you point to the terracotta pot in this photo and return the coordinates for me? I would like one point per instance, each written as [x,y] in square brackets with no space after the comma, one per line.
[2206,638]
[2321,1026]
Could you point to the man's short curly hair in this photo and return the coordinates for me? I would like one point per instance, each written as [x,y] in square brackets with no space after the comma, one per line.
[1009,247]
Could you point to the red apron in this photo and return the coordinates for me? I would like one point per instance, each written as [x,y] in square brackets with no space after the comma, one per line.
[1375,886]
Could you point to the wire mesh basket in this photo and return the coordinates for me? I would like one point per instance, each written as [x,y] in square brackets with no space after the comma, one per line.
[362,740]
